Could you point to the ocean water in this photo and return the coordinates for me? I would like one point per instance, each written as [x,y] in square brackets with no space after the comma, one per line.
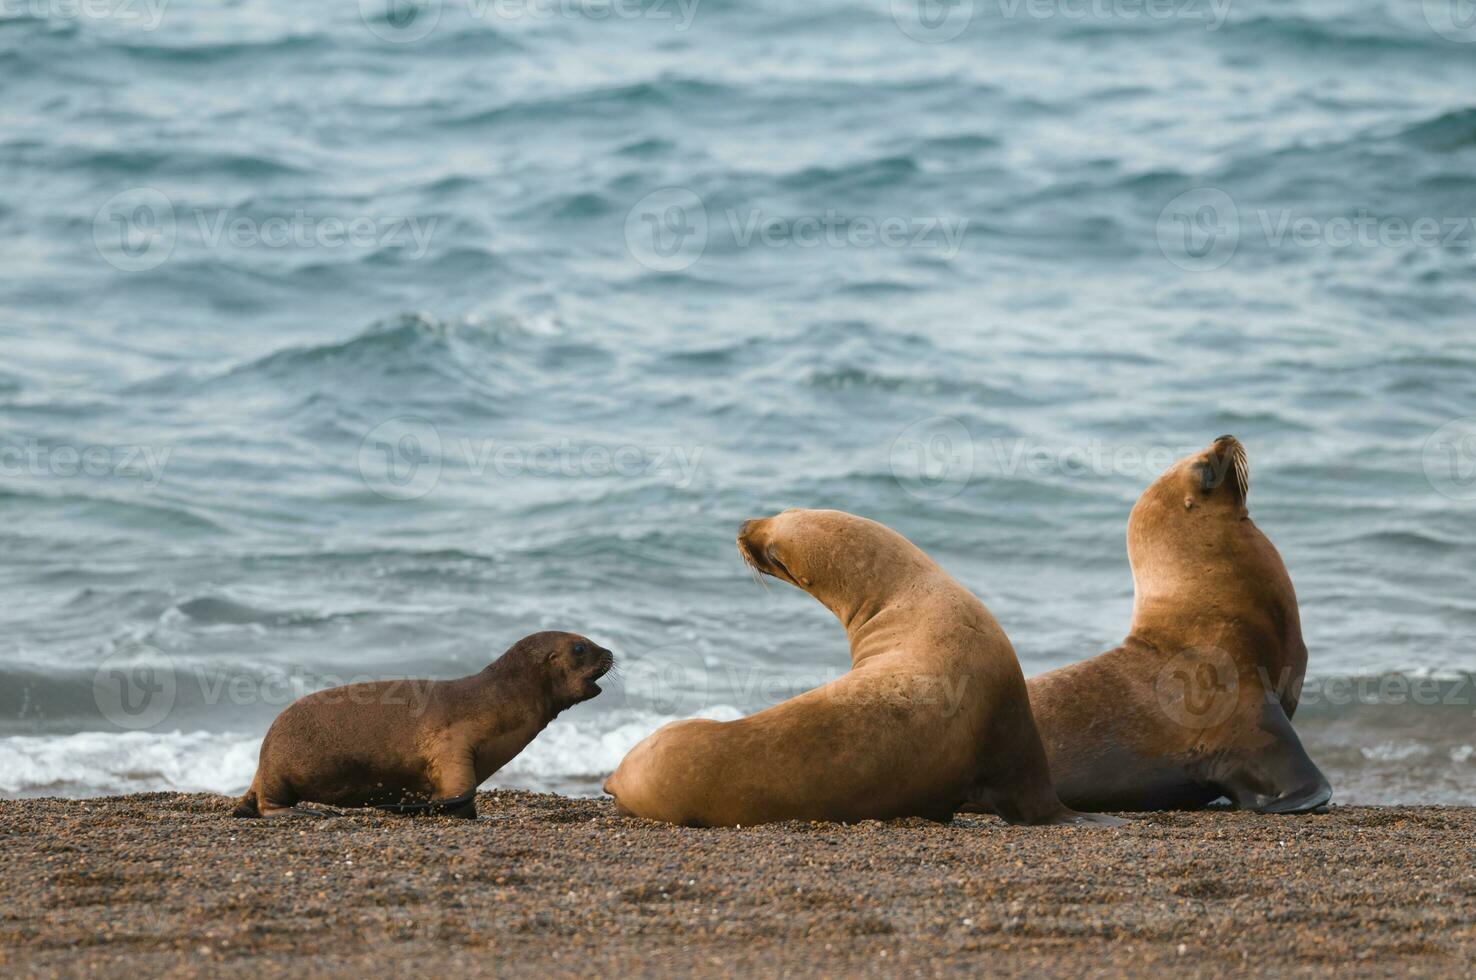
[353,341]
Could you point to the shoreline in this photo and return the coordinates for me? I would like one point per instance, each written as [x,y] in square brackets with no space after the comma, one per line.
[167,883]
[1375,754]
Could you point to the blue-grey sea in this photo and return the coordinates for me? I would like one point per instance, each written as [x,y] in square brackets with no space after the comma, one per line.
[357,340]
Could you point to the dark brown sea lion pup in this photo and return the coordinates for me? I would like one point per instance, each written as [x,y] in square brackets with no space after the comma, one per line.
[1197,702]
[420,746]
[898,735]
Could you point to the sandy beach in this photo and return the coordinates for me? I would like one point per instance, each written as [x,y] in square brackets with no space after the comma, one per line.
[168,884]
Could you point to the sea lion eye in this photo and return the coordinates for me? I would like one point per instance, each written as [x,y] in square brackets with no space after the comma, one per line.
[579,649]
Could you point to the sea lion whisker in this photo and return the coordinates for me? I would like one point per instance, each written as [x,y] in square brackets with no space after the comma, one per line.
[1242,471]
[753,568]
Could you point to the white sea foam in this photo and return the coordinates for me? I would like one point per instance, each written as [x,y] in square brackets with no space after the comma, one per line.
[1395,751]
[571,755]
[105,763]
[575,756]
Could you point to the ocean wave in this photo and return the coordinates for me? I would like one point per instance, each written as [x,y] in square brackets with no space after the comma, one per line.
[569,756]
[1404,540]
[389,341]
[576,756]
[661,94]
[1392,738]
[1154,185]
[38,25]
[962,144]
[126,513]
[1372,755]
[1349,35]
[1446,133]
[572,206]
[879,288]
[110,763]
[854,378]
[169,50]
[176,162]
[471,368]
[1395,751]
[647,149]
[881,173]
[219,611]
[1304,178]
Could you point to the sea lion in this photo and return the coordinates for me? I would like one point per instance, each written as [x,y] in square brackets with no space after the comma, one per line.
[420,746]
[1197,702]
[896,736]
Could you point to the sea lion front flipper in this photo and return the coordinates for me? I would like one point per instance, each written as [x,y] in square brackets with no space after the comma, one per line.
[458,806]
[1276,777]
[1064,817]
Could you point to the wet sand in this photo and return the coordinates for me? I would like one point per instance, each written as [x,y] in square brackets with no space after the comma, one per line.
[167,884]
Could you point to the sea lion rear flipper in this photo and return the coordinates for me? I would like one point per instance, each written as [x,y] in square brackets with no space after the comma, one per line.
[300,812]
[1277,777]
[246,806]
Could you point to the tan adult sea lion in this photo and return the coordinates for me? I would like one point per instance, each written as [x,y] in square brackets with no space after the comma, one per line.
[420,746]
[1197,702]
[932,714]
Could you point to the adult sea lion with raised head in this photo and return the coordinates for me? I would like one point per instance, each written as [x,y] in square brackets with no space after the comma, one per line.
[420,746]
[932,714]
[1197,702]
